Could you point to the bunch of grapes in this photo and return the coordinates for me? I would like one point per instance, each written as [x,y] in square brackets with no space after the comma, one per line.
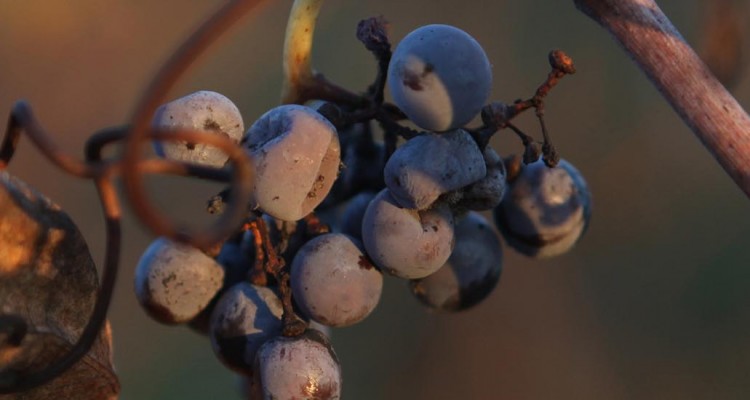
[334,207]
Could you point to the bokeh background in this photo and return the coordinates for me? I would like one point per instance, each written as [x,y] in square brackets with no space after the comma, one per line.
[651,304]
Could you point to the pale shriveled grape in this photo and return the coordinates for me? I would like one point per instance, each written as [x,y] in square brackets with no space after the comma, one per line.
[199,111]
[296,156]
[175,282]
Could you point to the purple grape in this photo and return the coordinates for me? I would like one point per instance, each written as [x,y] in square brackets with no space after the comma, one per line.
[245,317]
[300,367]
[471,273]
[407,243]
[486,193]
[351,219]
[296,156]
[440,77]
[175,282]
[546,210]
[333,282]
[430,165]
[200,111]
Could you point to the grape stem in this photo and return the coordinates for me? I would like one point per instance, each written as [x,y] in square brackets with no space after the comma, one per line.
[301,82]
[276,267]
[496,115]
[715,117]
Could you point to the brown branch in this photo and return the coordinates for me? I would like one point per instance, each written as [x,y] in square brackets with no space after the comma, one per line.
[678,73]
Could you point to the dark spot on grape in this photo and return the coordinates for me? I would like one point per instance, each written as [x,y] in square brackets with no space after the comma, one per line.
[190,146]
[211,109]
[282,353]
[428,68]
[168,279]
[275,198]
[434,228]
[412,80]
[211,125]
[364,263]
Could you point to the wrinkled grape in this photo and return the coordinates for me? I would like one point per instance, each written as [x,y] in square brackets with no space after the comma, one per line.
[296,156]
[175,282]
[429,165]
[200,111]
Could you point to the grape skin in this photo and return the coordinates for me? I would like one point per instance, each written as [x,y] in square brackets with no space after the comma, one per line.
[546,210]
[300,367]
[430,165]
[175,282]
[440,77]
[404,242]
[296,154]
[488,192]
[471,273]
[351,219]
[333,282]
[200,111]
[245,317]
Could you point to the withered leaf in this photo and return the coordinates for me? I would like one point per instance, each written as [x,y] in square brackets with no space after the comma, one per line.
[48,279]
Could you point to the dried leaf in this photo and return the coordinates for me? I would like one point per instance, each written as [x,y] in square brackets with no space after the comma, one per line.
[48,279]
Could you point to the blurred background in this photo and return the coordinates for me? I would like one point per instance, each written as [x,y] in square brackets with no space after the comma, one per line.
[651,304]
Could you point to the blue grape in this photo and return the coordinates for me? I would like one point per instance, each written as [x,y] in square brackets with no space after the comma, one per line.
[245,317]
[430,165]
[351,219]
[471,273]
[488,192]
[440,77]
[546,210]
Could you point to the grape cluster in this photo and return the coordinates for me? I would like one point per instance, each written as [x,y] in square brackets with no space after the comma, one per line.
[333,209]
